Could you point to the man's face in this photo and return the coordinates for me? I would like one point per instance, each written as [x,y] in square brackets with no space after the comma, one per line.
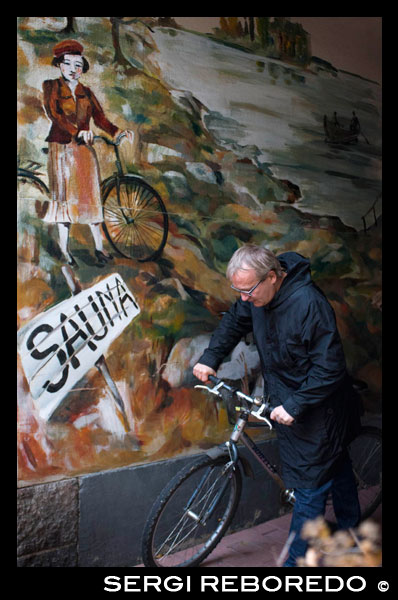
[246,279]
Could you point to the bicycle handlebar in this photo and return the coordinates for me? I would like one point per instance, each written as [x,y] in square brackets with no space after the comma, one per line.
[263,406]
[218,381]
[108,141]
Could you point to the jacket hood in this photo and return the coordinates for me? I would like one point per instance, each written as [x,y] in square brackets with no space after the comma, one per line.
[298,275]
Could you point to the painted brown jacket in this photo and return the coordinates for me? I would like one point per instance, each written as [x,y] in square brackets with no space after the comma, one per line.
[69,116]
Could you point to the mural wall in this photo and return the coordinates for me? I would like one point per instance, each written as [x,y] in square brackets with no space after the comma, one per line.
[232,137]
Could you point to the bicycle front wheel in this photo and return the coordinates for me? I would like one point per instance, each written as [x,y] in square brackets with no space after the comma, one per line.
[192,514]
[135,218]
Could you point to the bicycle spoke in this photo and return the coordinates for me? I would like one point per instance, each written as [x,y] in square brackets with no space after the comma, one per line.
[136,199]
[112,208]
[170,538]
[199,505]
[135,220]
[143,197]
[210,490]
[123,232]
[177,541]
[145,235]
[148,217]
[147,232]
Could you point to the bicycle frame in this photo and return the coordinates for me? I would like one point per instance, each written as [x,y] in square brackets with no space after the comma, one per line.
[238,433]
[115,146]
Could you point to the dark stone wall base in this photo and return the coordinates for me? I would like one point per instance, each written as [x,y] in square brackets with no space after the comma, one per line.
[96,520]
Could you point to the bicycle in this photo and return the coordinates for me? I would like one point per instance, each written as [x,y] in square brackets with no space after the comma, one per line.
[135,218]
[29,174]
[195,509]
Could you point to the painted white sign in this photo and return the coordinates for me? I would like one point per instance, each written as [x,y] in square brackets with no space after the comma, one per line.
[60,345]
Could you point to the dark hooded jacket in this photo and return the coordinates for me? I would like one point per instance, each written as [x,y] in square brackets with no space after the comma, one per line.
[303,367]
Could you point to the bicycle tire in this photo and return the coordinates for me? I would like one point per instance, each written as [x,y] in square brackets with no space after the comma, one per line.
[135,218]
[172,537]
[24,174]
[366,458]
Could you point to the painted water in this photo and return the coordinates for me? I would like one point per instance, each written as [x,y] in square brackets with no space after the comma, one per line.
[273,112]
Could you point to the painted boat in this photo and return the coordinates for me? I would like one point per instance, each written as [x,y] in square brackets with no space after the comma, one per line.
[336,134]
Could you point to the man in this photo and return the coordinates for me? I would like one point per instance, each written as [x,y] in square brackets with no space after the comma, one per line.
[302,360]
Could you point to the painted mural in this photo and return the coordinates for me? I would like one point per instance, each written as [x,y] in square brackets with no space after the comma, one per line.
[199,143]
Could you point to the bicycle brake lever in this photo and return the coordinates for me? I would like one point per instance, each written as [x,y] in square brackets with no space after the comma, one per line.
[210,390]
[257,414]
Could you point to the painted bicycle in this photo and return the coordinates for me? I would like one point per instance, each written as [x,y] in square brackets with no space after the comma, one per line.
[135,218]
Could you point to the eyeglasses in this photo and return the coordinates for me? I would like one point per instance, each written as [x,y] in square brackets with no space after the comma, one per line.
[249,292]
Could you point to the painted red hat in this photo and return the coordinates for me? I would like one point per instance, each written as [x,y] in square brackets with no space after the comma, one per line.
[67,47]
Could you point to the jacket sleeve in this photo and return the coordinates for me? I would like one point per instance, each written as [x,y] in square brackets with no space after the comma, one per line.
[327,368]
[99,116]
[54,112]
[236,323]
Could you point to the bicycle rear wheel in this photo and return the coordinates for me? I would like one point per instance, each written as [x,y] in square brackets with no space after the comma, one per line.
[366,457]
[192,514]
[27,181]
[135,218]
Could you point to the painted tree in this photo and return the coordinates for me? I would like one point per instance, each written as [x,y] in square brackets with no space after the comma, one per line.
[223,24]
[119,56]
[70,25]
[231,26]
[251,28]
[263,30]
[235,27]
[116,23]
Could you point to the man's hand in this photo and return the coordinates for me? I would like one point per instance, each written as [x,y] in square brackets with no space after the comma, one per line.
[281,416]
[202,372]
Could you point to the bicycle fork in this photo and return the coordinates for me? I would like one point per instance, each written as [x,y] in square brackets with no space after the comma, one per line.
[228,467]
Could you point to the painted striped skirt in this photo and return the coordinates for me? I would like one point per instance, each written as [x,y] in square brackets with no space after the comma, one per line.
[74,179]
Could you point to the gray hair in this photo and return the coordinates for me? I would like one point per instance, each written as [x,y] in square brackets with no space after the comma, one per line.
[254,257]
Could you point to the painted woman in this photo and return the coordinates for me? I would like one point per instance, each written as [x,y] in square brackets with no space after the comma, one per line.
[73,169]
